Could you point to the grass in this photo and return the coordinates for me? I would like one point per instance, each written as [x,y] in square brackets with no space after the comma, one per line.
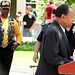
[23,59]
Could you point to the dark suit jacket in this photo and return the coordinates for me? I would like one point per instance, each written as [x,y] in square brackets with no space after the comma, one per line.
[54,52]
[71,38]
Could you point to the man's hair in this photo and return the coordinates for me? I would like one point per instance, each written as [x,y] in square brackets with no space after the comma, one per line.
[62,9]
[51,2]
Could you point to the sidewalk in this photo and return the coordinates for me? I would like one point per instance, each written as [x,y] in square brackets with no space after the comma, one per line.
[18,73]
[22,71]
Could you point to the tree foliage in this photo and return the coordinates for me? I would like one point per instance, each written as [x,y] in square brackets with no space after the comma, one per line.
[40,8]
[70,2]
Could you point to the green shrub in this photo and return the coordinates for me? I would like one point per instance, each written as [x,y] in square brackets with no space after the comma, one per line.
[27,46]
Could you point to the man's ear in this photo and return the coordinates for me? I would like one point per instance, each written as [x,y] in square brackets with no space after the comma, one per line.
[62,16]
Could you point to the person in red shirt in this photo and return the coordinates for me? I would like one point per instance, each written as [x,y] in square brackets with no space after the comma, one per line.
[49,8]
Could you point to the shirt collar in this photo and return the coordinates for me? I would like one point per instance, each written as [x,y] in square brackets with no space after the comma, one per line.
[62,28]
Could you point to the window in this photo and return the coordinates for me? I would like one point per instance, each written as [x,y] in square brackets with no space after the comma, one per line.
[27,0]
[31,2]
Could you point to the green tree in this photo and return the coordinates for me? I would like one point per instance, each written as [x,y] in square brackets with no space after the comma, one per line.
[40,7]
[70,2]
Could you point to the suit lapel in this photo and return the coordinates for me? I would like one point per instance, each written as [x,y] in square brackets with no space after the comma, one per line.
[64,36]
[66,41]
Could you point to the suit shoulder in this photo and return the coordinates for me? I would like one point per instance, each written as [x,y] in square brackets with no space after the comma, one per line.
[52,29]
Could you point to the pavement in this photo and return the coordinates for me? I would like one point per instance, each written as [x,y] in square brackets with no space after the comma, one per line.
[22,71]
[18,73]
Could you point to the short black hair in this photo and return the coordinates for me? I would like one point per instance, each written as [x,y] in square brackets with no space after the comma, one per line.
[62,9]
[51,2]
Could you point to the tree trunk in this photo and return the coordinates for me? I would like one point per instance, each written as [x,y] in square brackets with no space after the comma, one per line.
[13,8]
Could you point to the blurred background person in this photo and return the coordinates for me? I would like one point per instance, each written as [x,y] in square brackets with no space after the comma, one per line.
[40,37]
[29,23]
[33,11]
[48,10]
[17,19]
[21,21]
[70,33]
[21,16]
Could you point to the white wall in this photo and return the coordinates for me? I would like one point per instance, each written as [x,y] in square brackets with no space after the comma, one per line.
[21,6]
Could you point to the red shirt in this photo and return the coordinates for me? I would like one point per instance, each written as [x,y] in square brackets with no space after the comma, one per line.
[49,10]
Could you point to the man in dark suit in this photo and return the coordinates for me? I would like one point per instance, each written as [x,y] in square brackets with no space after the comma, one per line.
[55,49]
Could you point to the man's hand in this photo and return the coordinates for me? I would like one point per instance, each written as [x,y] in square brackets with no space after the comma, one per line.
[15,46]
[30,29]
[35,57]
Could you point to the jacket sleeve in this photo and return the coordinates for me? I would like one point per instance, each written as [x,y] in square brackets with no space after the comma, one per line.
[17,32]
